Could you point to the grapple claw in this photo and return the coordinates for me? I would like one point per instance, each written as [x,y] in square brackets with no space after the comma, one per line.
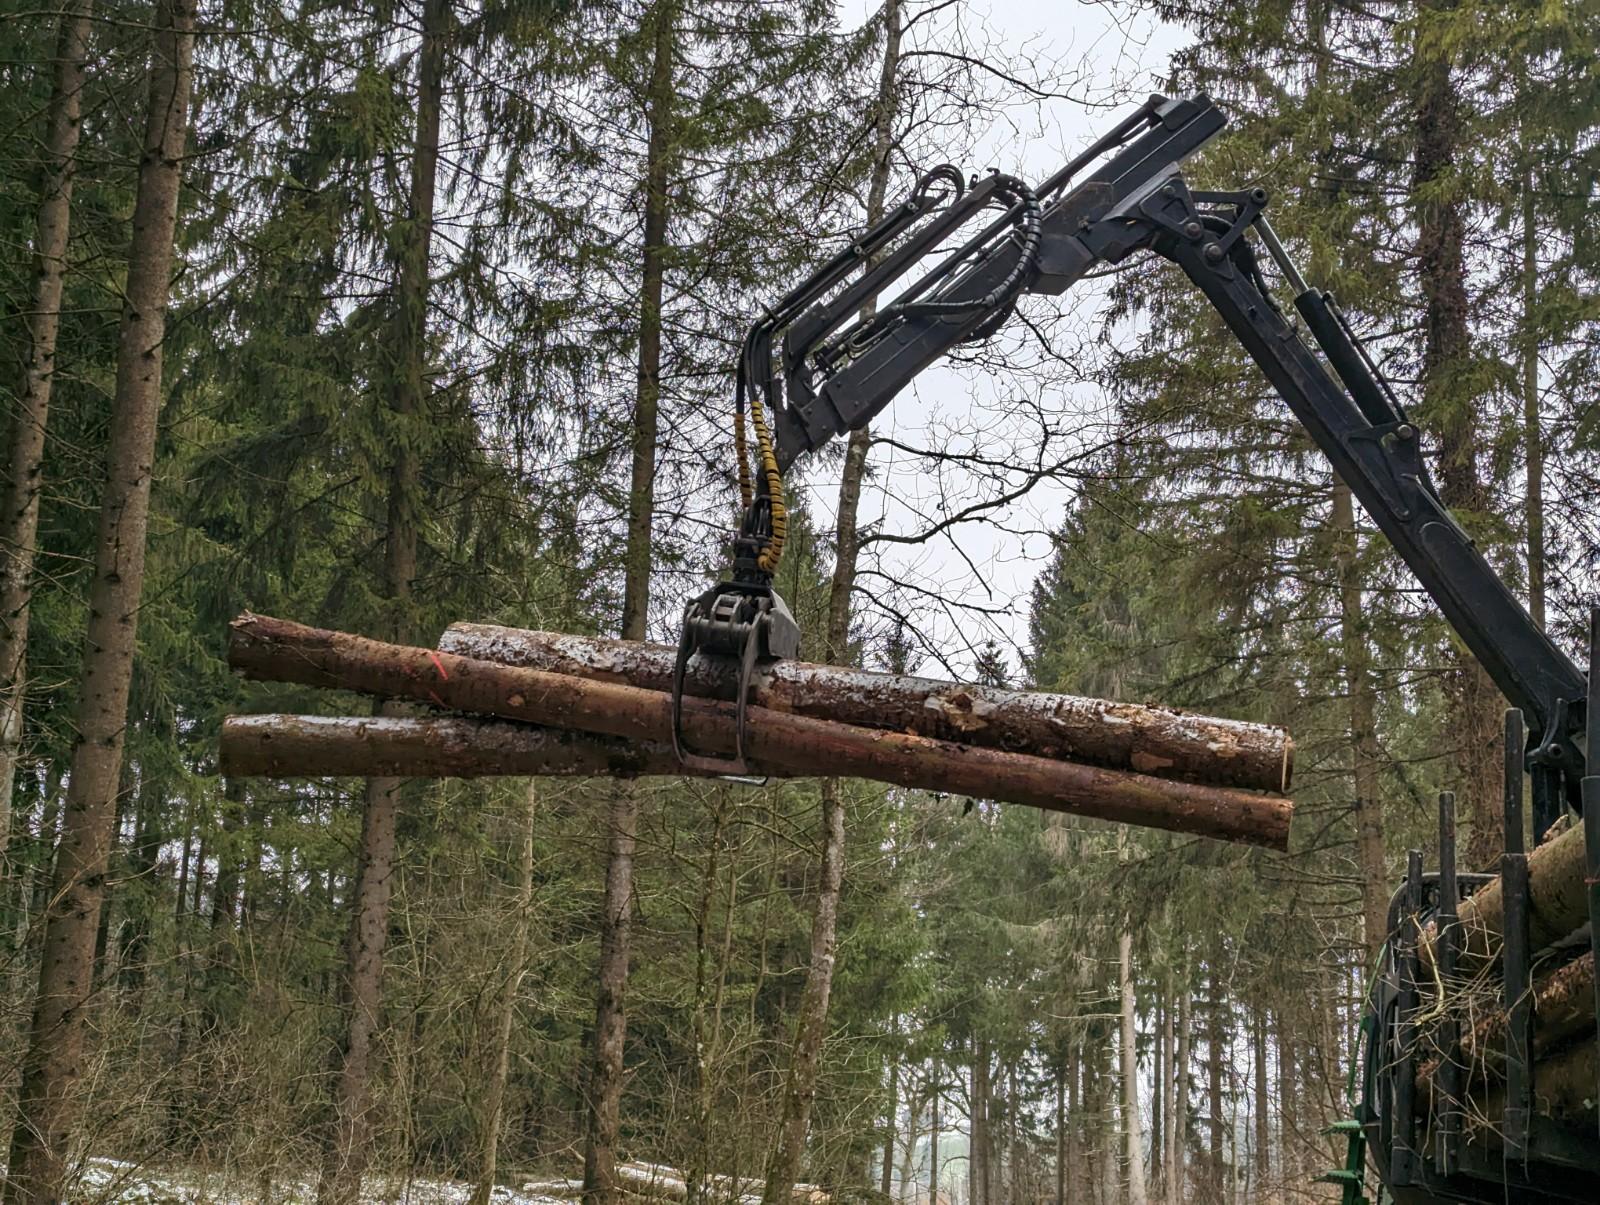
[746,622]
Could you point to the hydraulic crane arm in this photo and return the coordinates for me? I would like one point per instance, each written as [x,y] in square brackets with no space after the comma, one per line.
[842,361]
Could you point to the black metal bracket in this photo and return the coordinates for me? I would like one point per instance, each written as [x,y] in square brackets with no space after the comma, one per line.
[1591,806]
[748,622]
[1402,1168]
[1447,1103]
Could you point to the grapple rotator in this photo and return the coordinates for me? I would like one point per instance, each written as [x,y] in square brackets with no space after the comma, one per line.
[744,620]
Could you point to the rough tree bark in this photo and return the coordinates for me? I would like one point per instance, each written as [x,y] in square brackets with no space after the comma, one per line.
[1289,1160]
[1216,1054]
[1159,1072]
[1261,1161]
[1558,903]
[1446,353]
[47,1103]
[1177,1174]
[312,746]
[811,1025]
[1532,424]
[610,1029]
[1061,1128]
[1132,1128]
[347,1141]
[978,1126]
[495,1091]
[1363,726]
[696,1179]
[1169,1097]
[19,520]
[886,1172]
[1099,732]
[277,650]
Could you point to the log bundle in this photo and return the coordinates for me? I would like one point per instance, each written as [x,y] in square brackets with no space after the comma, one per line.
[1563,1049]
[534,703]
[1097,732]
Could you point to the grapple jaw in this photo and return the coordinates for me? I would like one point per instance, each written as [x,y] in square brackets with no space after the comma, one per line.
[746,623]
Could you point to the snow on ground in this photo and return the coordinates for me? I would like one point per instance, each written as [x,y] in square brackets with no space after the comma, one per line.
[113,1180]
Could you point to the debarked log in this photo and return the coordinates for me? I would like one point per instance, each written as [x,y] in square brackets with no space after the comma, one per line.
[278,650]
[1122,736]
[315,746]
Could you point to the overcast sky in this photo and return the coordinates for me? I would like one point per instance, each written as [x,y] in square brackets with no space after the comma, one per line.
[1115,58]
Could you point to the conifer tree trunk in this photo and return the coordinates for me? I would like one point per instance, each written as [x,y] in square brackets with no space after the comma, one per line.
[348,1142]
[19,520]
[1263,1157]
[1532,426]
[978,1125]
[1131,1125]
[1288,1101]
[1167,1081]
[1074,1148]
[147,842]
[610,1031]
[887,1171]
[1216,1053]
[1158,1099]
[1062,1072]
[494,1095]
[1448,397]
[913,1115]
[1176,1175]
[1105,1074]
[1364,752]
[695,1177]
[48,1100]
[933,1138]
[811,1025]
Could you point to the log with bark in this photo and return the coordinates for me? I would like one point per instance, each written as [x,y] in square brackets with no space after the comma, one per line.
[1558,903]
[278,650]
[277,746]
[1119,736]
[1563,1009]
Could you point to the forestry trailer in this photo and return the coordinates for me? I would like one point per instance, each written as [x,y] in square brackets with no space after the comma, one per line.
[1449,1106]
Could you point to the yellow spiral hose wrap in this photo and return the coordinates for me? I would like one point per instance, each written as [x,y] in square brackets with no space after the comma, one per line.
[773,552]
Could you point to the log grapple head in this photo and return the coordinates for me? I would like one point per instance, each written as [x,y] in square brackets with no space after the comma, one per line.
[747,622]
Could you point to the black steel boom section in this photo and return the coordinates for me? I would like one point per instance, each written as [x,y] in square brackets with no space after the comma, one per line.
[842,361]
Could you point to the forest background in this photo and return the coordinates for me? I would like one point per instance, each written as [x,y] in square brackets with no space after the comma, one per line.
[379,317]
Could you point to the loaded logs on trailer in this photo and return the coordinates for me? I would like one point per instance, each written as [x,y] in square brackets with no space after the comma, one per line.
[1484,1019]
[534,703]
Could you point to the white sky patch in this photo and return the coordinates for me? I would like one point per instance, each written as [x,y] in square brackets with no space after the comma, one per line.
[972,584]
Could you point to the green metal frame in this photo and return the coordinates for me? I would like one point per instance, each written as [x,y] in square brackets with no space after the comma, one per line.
[1352,1177]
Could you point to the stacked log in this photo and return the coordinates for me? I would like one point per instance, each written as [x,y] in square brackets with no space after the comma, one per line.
[1558,902]
[600,719]
[1563,1050]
